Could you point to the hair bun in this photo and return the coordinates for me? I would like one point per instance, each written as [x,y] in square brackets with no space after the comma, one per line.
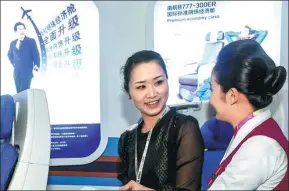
[275,79]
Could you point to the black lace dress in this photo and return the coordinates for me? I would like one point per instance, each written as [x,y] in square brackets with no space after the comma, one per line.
[174,158]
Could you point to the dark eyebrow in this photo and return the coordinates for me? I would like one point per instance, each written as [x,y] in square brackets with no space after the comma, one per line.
[139,82]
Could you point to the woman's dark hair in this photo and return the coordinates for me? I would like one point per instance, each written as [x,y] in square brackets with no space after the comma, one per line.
[140,57]
[244,65]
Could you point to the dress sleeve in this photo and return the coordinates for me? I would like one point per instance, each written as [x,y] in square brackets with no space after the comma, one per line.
[190,155]
[122,151]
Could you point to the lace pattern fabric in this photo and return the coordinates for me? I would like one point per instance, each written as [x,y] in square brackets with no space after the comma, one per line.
[174,158]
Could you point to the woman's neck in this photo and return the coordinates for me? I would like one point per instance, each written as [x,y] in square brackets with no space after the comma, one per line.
[150,121]
[240,115]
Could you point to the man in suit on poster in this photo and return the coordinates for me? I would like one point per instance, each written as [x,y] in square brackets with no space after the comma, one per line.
[24,56]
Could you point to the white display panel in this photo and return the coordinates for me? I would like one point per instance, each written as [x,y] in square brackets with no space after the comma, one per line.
[67,38]
[190,34]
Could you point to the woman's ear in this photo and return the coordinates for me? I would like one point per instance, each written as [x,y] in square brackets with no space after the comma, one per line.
[232,96]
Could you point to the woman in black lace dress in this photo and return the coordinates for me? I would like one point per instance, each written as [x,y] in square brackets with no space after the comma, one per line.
[165,150]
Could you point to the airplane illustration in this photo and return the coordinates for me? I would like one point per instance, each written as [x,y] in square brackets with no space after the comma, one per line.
[25,12]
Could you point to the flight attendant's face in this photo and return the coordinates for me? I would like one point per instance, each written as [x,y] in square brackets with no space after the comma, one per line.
[148,88]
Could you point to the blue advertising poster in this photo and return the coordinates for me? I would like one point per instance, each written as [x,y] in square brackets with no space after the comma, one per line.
[61,38]
[190,34]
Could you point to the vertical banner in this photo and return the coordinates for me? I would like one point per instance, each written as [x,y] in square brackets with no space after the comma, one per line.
[190,34]
[67,38]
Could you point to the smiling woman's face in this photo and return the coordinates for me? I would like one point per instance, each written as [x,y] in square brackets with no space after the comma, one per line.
[148,88]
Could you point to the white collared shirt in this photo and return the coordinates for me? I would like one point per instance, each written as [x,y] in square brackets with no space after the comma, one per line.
[259,164]
[18,44]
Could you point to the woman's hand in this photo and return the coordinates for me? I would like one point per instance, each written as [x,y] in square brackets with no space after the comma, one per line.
[132,185]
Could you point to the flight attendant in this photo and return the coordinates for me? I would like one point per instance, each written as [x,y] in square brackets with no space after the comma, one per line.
[243,83]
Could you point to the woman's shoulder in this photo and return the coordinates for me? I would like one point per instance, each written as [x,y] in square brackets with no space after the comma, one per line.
[260,145]
[188,131]
[128,134]
[186,121]
[185,125]
[125,141]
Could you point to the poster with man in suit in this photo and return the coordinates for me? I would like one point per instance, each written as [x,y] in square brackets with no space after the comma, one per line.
[24,56]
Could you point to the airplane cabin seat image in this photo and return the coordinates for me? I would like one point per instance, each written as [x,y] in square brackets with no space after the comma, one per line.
[191,81]
[31,135]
